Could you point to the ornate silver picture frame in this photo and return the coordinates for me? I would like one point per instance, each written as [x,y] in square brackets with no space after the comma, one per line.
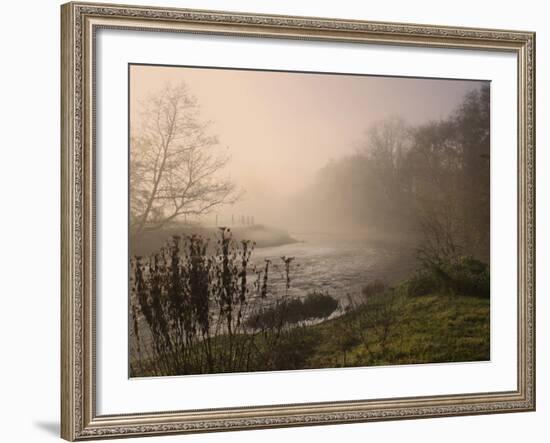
[79,388]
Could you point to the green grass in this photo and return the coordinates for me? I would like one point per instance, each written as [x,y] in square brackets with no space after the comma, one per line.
[432,328]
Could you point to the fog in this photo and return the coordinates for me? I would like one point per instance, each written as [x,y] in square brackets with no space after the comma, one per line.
[264,203]
[291,140]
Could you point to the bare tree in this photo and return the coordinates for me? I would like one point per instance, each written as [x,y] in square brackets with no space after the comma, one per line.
[175,162]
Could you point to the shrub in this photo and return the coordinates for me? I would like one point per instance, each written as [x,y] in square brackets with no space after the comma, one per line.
[186,298]
[316,305]
[421,283]
[472,277]
[464,275]
[202,308]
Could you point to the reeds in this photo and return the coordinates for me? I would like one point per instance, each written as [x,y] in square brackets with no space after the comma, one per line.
[196,308]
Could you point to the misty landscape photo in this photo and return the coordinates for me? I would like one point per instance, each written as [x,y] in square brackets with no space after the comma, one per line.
[288,220]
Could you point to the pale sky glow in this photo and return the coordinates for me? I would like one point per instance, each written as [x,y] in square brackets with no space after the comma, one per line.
[293,122]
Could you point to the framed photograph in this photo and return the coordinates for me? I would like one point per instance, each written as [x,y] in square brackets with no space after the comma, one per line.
[282,221]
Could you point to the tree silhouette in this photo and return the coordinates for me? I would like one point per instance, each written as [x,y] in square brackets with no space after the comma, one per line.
[175,162]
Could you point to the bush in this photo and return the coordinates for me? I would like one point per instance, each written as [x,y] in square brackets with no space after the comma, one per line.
[472,277]
[316,305]
[189,300]
[465,276]
[421,283]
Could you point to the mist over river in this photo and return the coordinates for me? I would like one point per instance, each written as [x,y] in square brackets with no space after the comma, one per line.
[339,265]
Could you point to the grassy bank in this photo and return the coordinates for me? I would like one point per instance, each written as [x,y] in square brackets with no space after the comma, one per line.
[432,328]
[387,329]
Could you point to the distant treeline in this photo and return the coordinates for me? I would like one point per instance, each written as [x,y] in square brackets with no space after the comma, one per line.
[430,181]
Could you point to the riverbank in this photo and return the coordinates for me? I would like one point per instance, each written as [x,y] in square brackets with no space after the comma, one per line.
[388,328]
[433,328]
[321,303]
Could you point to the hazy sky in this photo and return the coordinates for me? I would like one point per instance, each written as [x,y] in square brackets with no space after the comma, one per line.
[280,128]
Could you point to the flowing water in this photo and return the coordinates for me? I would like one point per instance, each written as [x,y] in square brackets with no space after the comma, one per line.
[331,264]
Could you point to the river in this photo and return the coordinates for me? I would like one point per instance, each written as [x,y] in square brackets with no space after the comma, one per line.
[329,263]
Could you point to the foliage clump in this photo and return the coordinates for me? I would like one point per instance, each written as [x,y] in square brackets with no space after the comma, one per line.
[198,308]
[464,275]
[315,306]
